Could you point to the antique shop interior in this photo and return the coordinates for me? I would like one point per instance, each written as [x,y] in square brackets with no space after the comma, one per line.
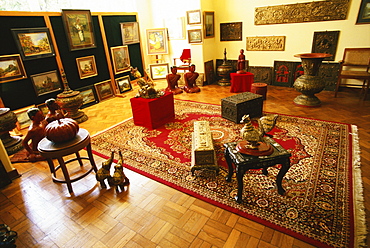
[123,122]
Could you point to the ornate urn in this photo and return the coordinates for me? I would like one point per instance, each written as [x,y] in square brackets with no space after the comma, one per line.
[224,71]
[70,101]
[310,83]
[8,122]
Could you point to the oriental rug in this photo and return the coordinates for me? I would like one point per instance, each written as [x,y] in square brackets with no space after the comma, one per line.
[323,204]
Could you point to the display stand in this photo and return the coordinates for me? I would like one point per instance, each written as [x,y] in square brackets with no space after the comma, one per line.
[241,82]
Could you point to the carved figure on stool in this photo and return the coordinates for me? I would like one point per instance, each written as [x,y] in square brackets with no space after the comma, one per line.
[119,179]
[104,172]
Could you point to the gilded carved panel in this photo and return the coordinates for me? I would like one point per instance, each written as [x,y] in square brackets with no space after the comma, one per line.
[302,12]
[266,43]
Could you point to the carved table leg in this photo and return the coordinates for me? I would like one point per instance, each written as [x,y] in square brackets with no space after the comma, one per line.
[285,165]
[239,176]
[229,165]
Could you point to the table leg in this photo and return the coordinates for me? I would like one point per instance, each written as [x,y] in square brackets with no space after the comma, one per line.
[51,166]
[79,159]
[91,157]
[285,165]
[229,165]
[239,177]
[66,174]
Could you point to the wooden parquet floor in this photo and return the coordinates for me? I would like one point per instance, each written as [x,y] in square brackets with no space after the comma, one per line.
[150,214]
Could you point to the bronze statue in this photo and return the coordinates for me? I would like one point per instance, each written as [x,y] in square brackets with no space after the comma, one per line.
[119,179]
[190,80]
[172,81]
[104,172]
[147,90]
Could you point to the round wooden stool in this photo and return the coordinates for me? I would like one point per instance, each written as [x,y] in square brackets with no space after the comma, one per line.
[260,89]
[50,150]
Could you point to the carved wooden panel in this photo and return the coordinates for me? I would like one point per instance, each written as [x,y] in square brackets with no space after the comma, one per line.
[266,43]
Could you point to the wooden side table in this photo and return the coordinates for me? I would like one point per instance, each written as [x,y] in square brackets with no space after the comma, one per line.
[245,162]
[51,150]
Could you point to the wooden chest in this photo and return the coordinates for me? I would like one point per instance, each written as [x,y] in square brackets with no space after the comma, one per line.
[203,152]
[235,107]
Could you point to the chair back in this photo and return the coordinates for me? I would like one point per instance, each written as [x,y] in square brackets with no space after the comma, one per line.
[356,57]
[185,56]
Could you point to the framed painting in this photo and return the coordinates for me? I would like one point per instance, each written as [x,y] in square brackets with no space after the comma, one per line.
[364,13]
[23,121]
[89,96]
[157,41]
[44,109]
[193,17]
[33,43]
[11,68]
[195,36]
[123,84]
[262,74]
[79,29]
[286,72]
[175,27]
[325,42]
[231,31]
[209,24]
[86,66]
[46,82]
[130,33]
[120,58]
[104,90]
[159,71]
[209,71]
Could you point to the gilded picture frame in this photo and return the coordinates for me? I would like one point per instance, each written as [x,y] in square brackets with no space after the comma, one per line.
[364,13]
[195,36]
[11,68]
[46,82]
[209,24]
[157,41]
[86,67]
[104,90]
[193,17]
[123,84]
[79,29]
[89,96]
[130,33]
[159,71]
[232,31]
[33,43]
[120,59]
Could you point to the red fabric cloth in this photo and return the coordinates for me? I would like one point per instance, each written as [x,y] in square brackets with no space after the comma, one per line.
[153,113]
[241,82]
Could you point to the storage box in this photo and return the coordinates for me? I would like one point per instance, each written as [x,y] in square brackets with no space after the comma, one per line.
[235,107]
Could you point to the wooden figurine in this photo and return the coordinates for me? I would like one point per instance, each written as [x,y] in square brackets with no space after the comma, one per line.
[119,179]
[104,172]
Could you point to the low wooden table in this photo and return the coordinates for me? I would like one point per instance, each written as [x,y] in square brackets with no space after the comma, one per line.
[51,150]
[245,162]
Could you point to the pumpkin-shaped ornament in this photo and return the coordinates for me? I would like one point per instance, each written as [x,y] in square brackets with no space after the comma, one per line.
[61,130]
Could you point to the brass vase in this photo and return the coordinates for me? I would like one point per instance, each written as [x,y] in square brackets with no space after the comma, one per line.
[224,71]
[70,101]
[8,122]
[310,83]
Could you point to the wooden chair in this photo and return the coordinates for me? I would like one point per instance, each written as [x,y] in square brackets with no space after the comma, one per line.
[355,65]
[185,58]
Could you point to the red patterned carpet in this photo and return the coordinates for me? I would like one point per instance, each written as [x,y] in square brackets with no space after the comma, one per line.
[323,204]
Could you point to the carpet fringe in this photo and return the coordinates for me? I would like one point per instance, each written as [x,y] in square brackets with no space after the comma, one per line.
[359,208]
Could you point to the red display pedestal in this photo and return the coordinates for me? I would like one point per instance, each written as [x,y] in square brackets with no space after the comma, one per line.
[153,113]
[241,82]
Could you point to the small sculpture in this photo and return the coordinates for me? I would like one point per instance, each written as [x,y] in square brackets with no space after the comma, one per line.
[190,80]
[253,141]
[172,81]
[241,63]
[135,72]
[55,112]
[147,90]
[119,179]
[104,172]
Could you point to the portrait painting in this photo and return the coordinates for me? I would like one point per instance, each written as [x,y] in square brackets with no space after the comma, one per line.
[157,41]
[121,59]
[130,33]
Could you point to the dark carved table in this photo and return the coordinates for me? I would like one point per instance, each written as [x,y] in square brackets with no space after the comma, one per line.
[243,163]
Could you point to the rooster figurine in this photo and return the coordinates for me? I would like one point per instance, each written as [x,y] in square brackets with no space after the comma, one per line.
[253,141]
[104,172]
[119,179]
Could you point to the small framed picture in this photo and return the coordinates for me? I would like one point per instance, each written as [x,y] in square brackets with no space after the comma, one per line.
[86,67]
[159,71]
[130,33]
[120,58]
[79,29]
[89,96]
[157,41]
[44,109]
[123,84]
[209,24]
[46,82]
[195,36]
[193,17]
[364,13]
[231,31]
[33,43]
[104,90]
[22,117]
[11,68]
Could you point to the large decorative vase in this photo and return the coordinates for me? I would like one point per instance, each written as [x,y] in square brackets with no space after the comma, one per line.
[310,83]
[70,101]
[8,122]
[224,71]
